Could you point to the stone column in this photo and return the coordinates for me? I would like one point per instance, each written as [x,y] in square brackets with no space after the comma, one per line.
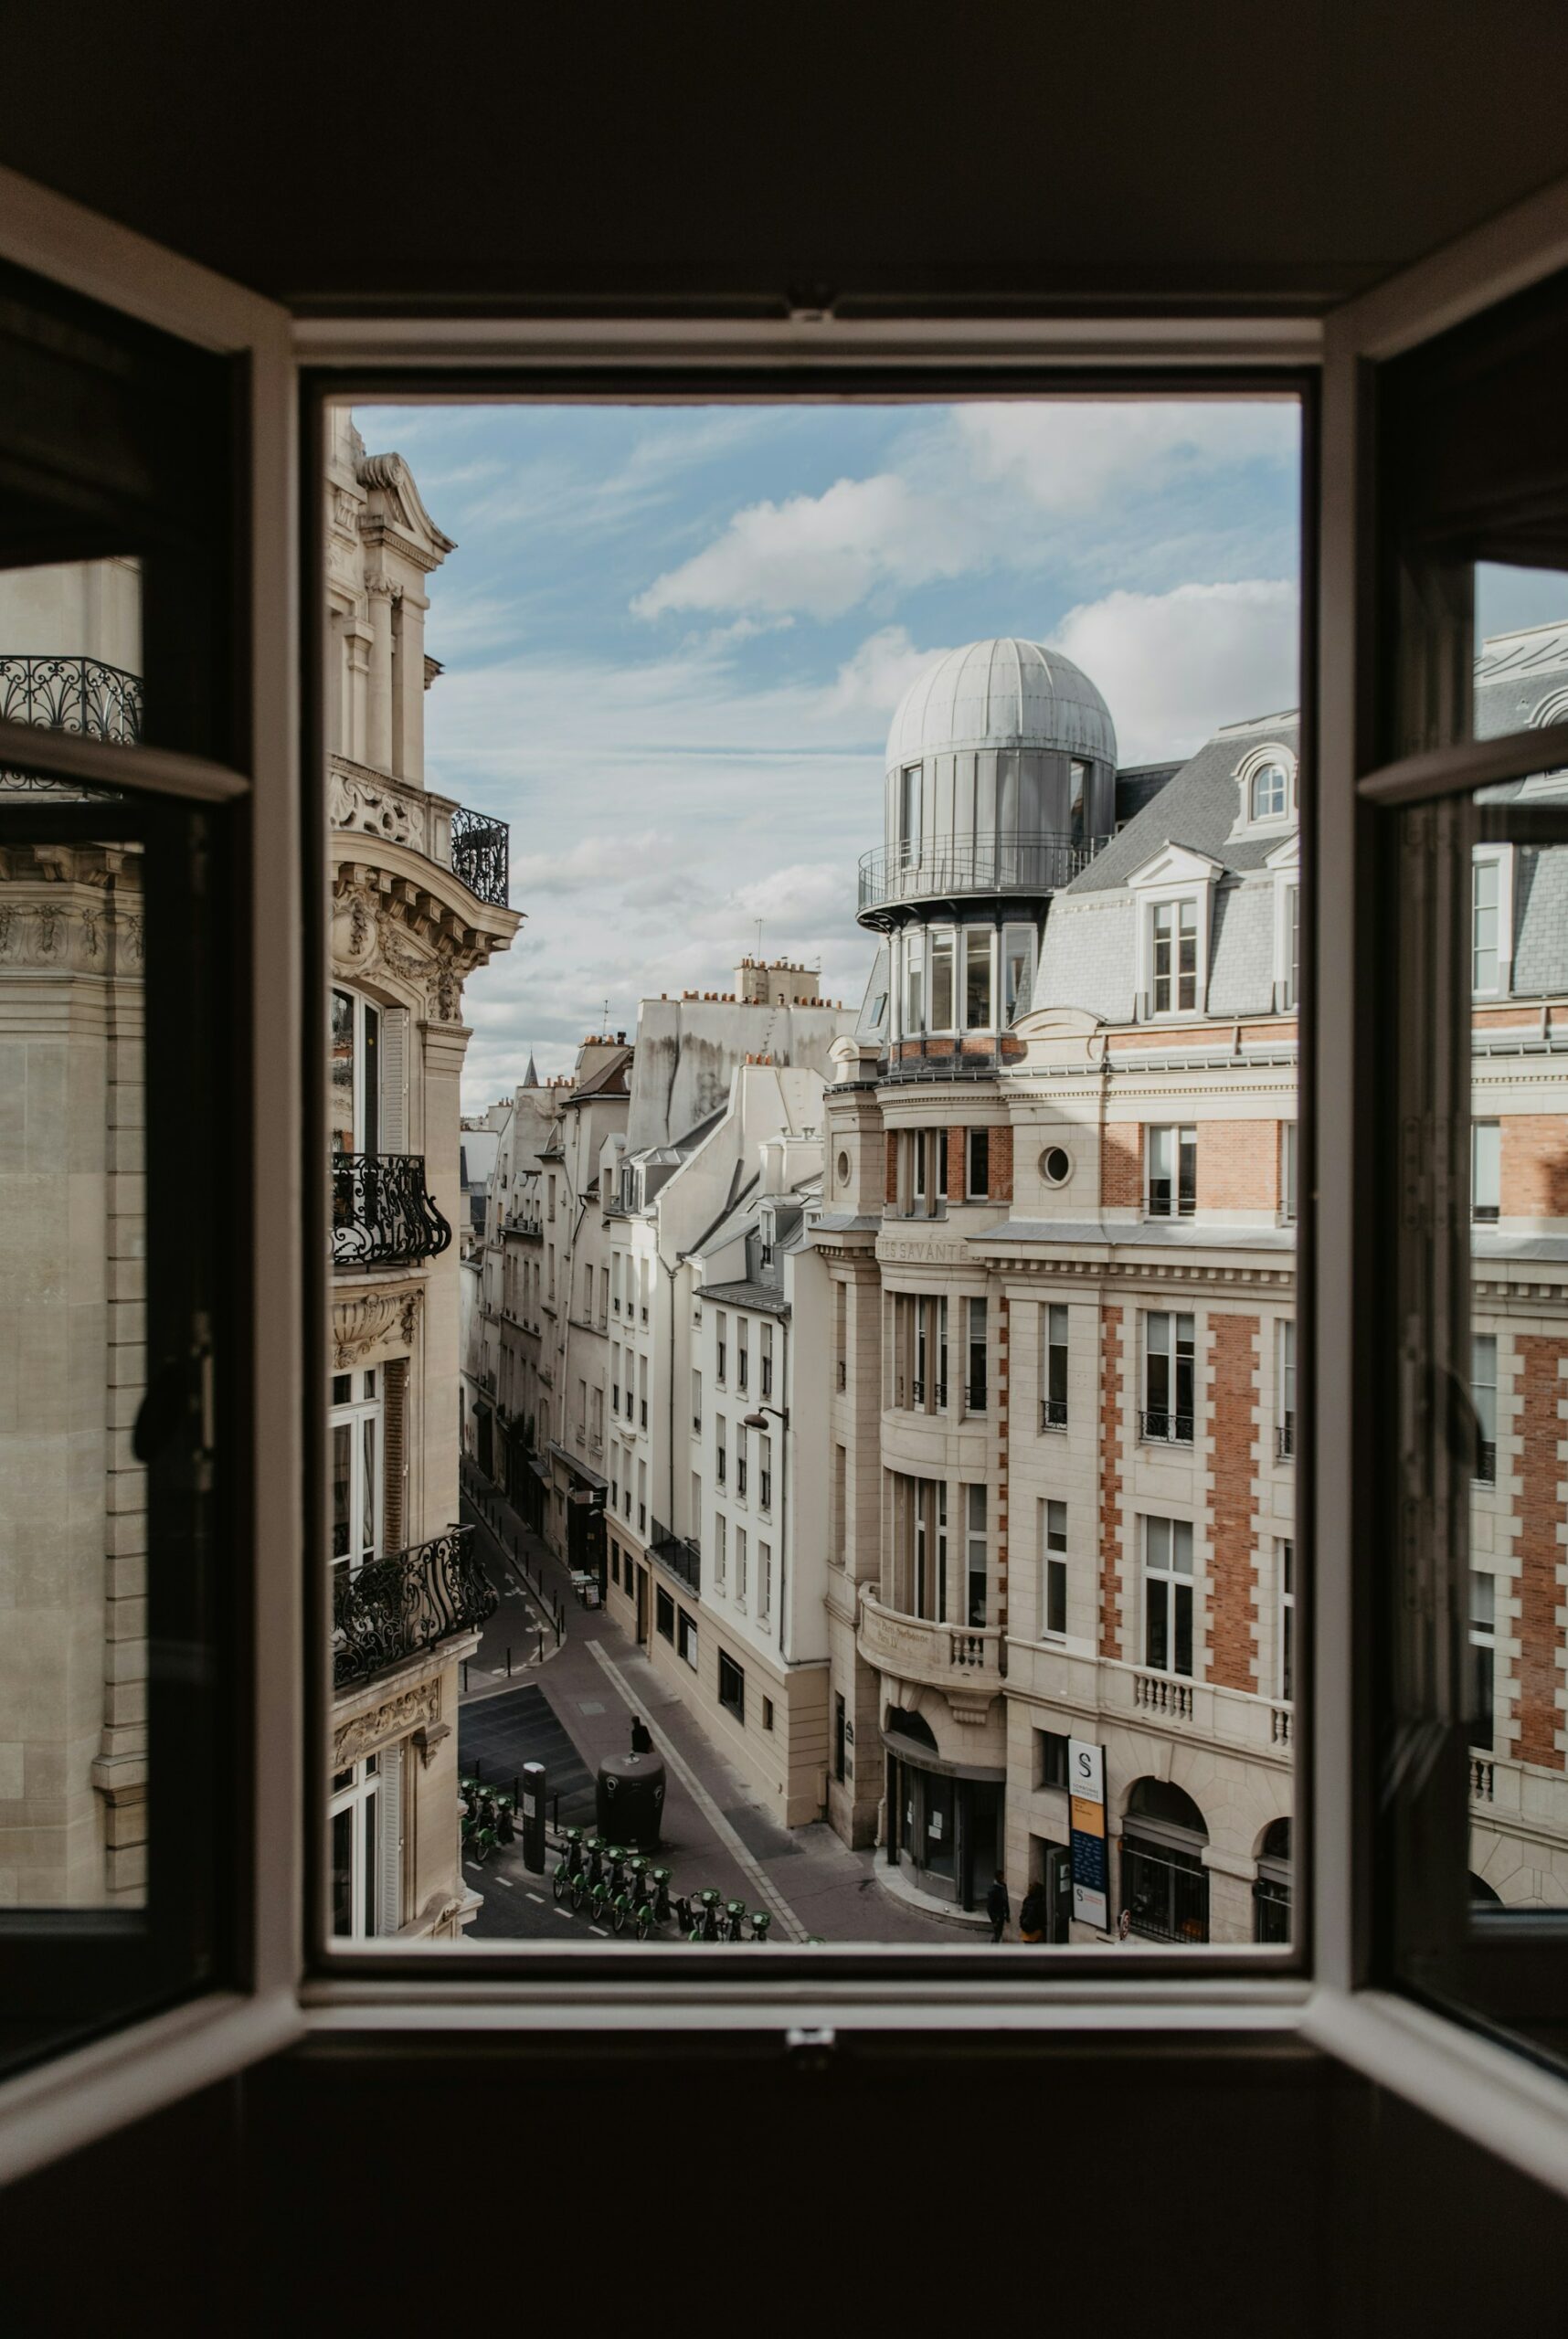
[378,712]
[408,689]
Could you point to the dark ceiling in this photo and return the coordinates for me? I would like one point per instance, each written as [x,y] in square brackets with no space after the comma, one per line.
[1290,151]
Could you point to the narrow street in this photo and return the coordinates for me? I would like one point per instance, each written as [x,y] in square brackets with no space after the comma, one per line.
[569,1705]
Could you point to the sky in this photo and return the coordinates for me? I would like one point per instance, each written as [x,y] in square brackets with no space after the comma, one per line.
[673,638]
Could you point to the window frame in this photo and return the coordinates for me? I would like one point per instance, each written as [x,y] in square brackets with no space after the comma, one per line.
[163,2031]
[1432,2060]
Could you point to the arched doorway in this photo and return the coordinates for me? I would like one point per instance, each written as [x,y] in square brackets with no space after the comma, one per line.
[944,1819]
[1164,1884]
[1271,1892]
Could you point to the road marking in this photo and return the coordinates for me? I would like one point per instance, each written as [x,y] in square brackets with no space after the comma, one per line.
[600,1931]
[564,1912]
[506,1881]
[538,1897]
[761,1882]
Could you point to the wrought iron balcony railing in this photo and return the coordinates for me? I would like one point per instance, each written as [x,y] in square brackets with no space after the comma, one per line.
[382,1213]
[680,1554]
[1053,1412]
[71,694]
[480,856]
[1285,1439]
[1158,1428]
[394,1607]
[1019,861]
[1486,1462]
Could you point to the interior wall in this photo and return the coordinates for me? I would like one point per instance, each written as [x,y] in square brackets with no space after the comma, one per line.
[1214,149]
[1205,2188]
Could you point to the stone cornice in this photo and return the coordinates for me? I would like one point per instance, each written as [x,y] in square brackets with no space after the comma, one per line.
[406,926]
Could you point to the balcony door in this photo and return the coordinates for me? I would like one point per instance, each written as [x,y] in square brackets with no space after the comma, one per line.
[358,1451]
[355,1099]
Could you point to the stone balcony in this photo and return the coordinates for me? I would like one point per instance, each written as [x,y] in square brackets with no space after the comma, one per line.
[371,803]
[963,1660]
[1107,1691]
[1519,1797]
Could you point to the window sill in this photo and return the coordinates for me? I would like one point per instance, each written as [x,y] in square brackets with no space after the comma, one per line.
[1501,2101]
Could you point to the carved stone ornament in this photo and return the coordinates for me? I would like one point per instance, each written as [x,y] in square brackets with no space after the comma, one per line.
[411,965]
[76,934]
[376,811]
[446,983]
[365,1733]
[361,1324]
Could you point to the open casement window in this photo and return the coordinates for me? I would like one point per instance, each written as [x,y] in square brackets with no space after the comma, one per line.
[1465,1157]
[147,752]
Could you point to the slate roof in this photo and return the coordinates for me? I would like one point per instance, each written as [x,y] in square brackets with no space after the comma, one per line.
[1201,808]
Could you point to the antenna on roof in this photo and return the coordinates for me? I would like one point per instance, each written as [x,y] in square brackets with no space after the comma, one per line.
[760,938]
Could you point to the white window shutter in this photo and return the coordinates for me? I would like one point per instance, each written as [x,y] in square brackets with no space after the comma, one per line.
[389,1843]
[394,1080]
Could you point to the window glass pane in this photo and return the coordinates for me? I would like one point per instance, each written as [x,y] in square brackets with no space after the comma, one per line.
[764,1155]
[108,1656]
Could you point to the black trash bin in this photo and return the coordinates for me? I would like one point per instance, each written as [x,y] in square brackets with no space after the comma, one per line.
[629,1799]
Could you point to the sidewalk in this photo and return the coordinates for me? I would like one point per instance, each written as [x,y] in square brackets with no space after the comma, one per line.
[714,1831]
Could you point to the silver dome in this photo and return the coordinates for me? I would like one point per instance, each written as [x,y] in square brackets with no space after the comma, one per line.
[1001,693]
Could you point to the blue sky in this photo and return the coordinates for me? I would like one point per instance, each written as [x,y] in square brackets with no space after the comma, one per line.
[673,638]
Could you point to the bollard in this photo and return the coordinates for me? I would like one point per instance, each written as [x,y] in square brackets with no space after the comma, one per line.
[465,1677]
[541,1657]
[509,1661]
[558,1631]
[531,1807]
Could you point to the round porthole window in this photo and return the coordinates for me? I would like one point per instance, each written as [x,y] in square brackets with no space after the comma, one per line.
[844,1168]
[1055,1165]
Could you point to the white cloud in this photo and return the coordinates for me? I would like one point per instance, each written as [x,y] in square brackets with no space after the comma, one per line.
[876,677]
[1069,456]
[592,862]
[951,503]
[818,554]
[1174,666]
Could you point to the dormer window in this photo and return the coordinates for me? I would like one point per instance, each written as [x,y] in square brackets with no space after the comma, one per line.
[1173,959]
[1268,780]
[1270,792]
[1174,892]
[1491,921]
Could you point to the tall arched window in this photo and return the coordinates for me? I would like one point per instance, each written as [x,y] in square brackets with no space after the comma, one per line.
[1164,1884]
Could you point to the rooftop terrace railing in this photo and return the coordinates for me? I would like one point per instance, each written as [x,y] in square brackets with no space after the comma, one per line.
[1017,861]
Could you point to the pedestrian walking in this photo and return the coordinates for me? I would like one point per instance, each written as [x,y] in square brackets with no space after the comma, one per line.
[998,1906]
[1032,1915]
[642,1739]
